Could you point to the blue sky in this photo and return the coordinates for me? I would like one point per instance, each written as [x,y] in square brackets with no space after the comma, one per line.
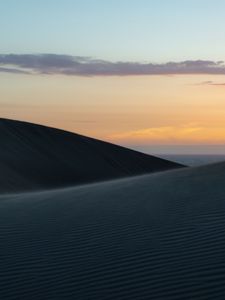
[142,30]
[88,81]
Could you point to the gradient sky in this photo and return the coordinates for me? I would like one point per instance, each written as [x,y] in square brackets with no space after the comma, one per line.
[118,82]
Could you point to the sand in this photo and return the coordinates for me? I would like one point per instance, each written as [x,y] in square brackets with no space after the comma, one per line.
[37,157]
[153,236]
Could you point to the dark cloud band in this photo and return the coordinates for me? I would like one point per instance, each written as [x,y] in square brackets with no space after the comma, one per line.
[86,66]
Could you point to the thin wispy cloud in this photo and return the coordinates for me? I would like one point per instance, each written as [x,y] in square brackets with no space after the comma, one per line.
[13,70]
[212,83]
[86,66]
[187,133]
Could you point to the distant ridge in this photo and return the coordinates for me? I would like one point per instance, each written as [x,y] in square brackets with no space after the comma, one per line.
[39,157]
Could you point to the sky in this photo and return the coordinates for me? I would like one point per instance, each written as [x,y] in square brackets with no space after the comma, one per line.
[140,73]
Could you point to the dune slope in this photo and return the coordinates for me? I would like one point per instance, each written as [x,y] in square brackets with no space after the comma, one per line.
[38,157]
[158,236]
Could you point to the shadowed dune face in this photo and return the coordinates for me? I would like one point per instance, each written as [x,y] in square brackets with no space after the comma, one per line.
[158,236]
[38,157]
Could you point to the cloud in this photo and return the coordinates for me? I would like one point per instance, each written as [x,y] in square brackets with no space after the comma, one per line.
[86,66]
[188,133]
[159,133]
[212,83]
[13,70]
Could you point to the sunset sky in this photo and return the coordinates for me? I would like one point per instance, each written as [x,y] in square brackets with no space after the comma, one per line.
[145,74]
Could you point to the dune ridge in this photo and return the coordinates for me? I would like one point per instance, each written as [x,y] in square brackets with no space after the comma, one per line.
[38,157]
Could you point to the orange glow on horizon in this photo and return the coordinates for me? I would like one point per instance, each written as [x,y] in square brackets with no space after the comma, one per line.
[187,134]
[137,109]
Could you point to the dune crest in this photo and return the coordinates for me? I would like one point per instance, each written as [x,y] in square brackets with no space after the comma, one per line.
[39,157]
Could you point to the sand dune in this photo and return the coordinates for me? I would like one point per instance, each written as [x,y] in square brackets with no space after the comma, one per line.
[152,236]
[157,236]
[38,157]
